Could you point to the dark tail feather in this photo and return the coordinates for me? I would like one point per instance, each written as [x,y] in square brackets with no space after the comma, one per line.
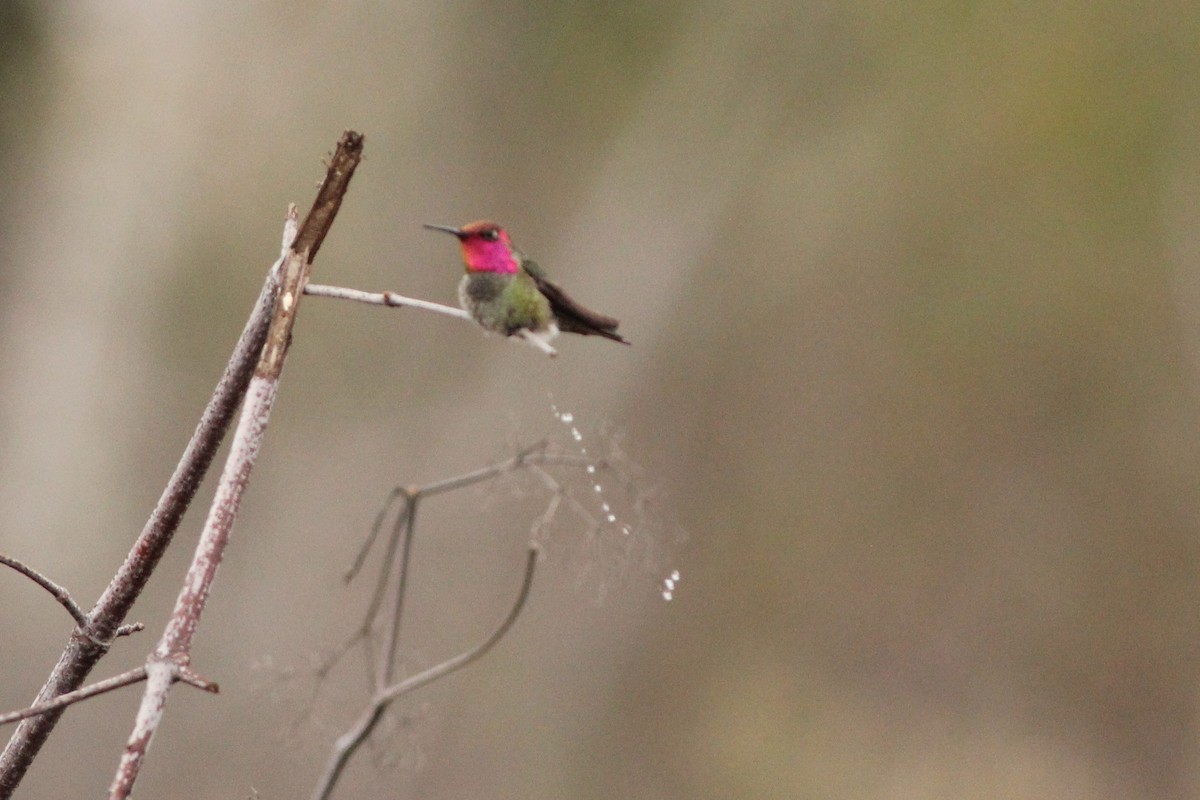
[583,327]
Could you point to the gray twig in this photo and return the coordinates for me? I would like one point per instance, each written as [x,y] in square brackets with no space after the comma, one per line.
[348,743]
[394,576]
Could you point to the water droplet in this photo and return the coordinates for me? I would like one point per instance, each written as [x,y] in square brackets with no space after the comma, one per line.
[669,584]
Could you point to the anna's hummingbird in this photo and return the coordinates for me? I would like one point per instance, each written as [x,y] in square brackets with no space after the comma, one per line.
[508,294]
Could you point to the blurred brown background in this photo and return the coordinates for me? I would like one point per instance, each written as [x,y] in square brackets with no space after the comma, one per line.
[914,299]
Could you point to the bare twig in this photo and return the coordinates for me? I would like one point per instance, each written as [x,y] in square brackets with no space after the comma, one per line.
[393,300]
[66,601]
[534,454]
[369,542]
[537,342]
[170,659]
[401,529]
[390,299]
[399,567]
[91,690]
[393,578]
[60,594]
[474,654]
[348,743]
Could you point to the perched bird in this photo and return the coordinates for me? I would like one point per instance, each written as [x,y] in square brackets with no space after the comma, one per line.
[508,294]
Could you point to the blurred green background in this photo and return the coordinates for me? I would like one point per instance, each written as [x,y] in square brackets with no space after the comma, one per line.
[915,306]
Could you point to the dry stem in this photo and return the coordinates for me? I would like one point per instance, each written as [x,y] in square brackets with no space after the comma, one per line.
[171,658]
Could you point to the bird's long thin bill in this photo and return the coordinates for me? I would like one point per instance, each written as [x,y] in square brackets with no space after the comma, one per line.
[445,229]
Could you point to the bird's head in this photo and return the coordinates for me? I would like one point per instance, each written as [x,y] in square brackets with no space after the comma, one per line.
[485,247]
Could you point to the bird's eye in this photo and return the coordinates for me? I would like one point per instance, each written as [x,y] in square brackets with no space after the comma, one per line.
[491,234]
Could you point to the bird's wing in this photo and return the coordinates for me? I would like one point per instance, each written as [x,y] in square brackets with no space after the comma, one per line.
[571,315]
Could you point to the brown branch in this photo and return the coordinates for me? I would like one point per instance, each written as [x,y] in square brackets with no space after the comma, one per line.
[170,659]
[316,225]
[90,642]
[60,594]
[298,265]
[91,690]
[66,601]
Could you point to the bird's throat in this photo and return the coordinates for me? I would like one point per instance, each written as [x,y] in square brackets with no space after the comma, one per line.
[496,257]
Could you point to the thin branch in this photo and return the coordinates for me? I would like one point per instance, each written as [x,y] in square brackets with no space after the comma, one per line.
[537,342]
[365,550]
[91,690]
[381,656]
[135,675]
[402,561]
[390,299]
[171,657]
[534,454]
[393,300]
[348,743]
[391,561]
[60,594]
[527,457]
[474,654]
[399,533]
[66,601]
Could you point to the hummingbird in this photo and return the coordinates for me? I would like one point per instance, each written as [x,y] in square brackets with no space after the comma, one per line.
[508,294]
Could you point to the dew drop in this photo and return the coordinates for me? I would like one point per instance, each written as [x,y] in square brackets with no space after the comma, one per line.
[669,584]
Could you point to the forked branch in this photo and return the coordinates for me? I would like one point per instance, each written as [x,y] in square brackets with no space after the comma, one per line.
[66,601]
[89,644]
[393,578]
[348,743]
[170,660]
